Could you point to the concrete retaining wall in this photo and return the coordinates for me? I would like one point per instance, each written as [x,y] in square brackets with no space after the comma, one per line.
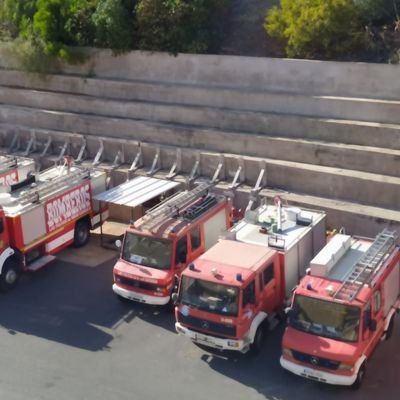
[299,76]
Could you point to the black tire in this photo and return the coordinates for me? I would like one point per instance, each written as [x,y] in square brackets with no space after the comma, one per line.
[9,275]
[81,233]
[390,328]
[258,341]
[360,377]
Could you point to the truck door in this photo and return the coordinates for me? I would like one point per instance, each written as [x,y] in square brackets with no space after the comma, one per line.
[3,232]
[181,254]
[248,305]
[370,333]
[268,293]
[196,243]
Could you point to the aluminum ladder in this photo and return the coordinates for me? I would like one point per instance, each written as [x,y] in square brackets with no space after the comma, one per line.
[8,163]
[171,206]
[367,266]
[35,194]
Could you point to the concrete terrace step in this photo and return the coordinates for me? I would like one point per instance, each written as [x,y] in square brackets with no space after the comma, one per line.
[250,99]
[356,218]
[335,183]
[365,158]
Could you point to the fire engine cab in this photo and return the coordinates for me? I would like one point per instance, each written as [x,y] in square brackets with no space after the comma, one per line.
[14,169]
[342,309]
[232,294]
[157,247]
[43,214]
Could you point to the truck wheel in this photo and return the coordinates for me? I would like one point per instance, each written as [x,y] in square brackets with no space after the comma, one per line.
[82,233]
[256,346]
[360,377]
[390,328]
[9,275]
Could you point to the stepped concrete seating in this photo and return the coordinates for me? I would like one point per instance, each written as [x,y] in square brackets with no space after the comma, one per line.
[323,142]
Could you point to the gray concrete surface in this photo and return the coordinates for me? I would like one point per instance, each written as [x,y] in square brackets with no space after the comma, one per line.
[301,76]
[251,99]
[326,132]
[65,336]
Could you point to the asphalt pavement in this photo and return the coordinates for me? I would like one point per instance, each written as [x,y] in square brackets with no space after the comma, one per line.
[65,336]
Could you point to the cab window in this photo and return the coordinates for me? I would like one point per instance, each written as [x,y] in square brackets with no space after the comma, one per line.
[195,238]
[181,251]
[377,301]
[249,294]
[269,274]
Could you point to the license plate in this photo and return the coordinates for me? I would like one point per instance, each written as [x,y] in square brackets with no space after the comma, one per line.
[203,339]
[312,373]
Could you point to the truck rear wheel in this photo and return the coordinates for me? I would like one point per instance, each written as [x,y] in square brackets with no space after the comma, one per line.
[82,233]
[9,275]
[360,377]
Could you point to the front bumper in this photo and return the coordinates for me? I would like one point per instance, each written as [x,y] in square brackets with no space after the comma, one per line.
[140,297]
[212,341]
[318,375]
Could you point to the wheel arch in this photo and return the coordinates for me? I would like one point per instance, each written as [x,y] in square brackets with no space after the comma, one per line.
[5,255]
[257,321]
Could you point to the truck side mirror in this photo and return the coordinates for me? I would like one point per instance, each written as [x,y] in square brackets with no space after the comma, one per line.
[118,244]
[175,297]
[372,325]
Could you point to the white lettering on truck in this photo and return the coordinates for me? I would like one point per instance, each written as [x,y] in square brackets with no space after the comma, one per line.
[67,207]
[9,178]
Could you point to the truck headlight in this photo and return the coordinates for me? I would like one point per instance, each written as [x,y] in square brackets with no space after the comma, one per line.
[345,367]
[287,352]
[233,344]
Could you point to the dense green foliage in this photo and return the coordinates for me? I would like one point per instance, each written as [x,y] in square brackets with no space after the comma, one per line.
[379,11]
[53,26]
[316,27]
[179,25]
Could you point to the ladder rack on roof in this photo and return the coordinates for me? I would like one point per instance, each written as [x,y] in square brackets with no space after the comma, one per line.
[34,194]
[9,162]
[171,205]
[367,266]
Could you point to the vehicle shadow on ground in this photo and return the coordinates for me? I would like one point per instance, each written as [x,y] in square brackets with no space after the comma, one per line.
[264,373]
[73,305]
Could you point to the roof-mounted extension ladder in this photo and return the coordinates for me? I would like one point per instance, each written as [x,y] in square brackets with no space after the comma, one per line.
[7,162]
[35,194]
[367,267]
[171,205]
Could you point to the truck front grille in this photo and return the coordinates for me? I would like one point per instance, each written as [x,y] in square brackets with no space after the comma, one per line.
[135,284]
[315,361]
[202,325]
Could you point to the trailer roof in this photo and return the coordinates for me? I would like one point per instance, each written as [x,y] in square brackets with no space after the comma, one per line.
[136,191]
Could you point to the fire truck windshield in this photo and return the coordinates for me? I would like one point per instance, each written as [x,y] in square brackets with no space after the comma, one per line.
[147,251]
[209,296]
[325,318]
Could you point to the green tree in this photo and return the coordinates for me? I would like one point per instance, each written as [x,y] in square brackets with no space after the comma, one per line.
[316,27]
[16,17]
[49,22]
[114,25]
[179,25]
[379,11]
[79,27]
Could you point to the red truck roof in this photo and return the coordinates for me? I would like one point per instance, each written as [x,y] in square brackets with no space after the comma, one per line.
[227,258]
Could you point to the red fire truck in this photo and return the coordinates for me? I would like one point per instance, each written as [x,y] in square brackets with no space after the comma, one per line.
[43,214]
[342,309]
[157,247]
[232,294]
[14,169]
